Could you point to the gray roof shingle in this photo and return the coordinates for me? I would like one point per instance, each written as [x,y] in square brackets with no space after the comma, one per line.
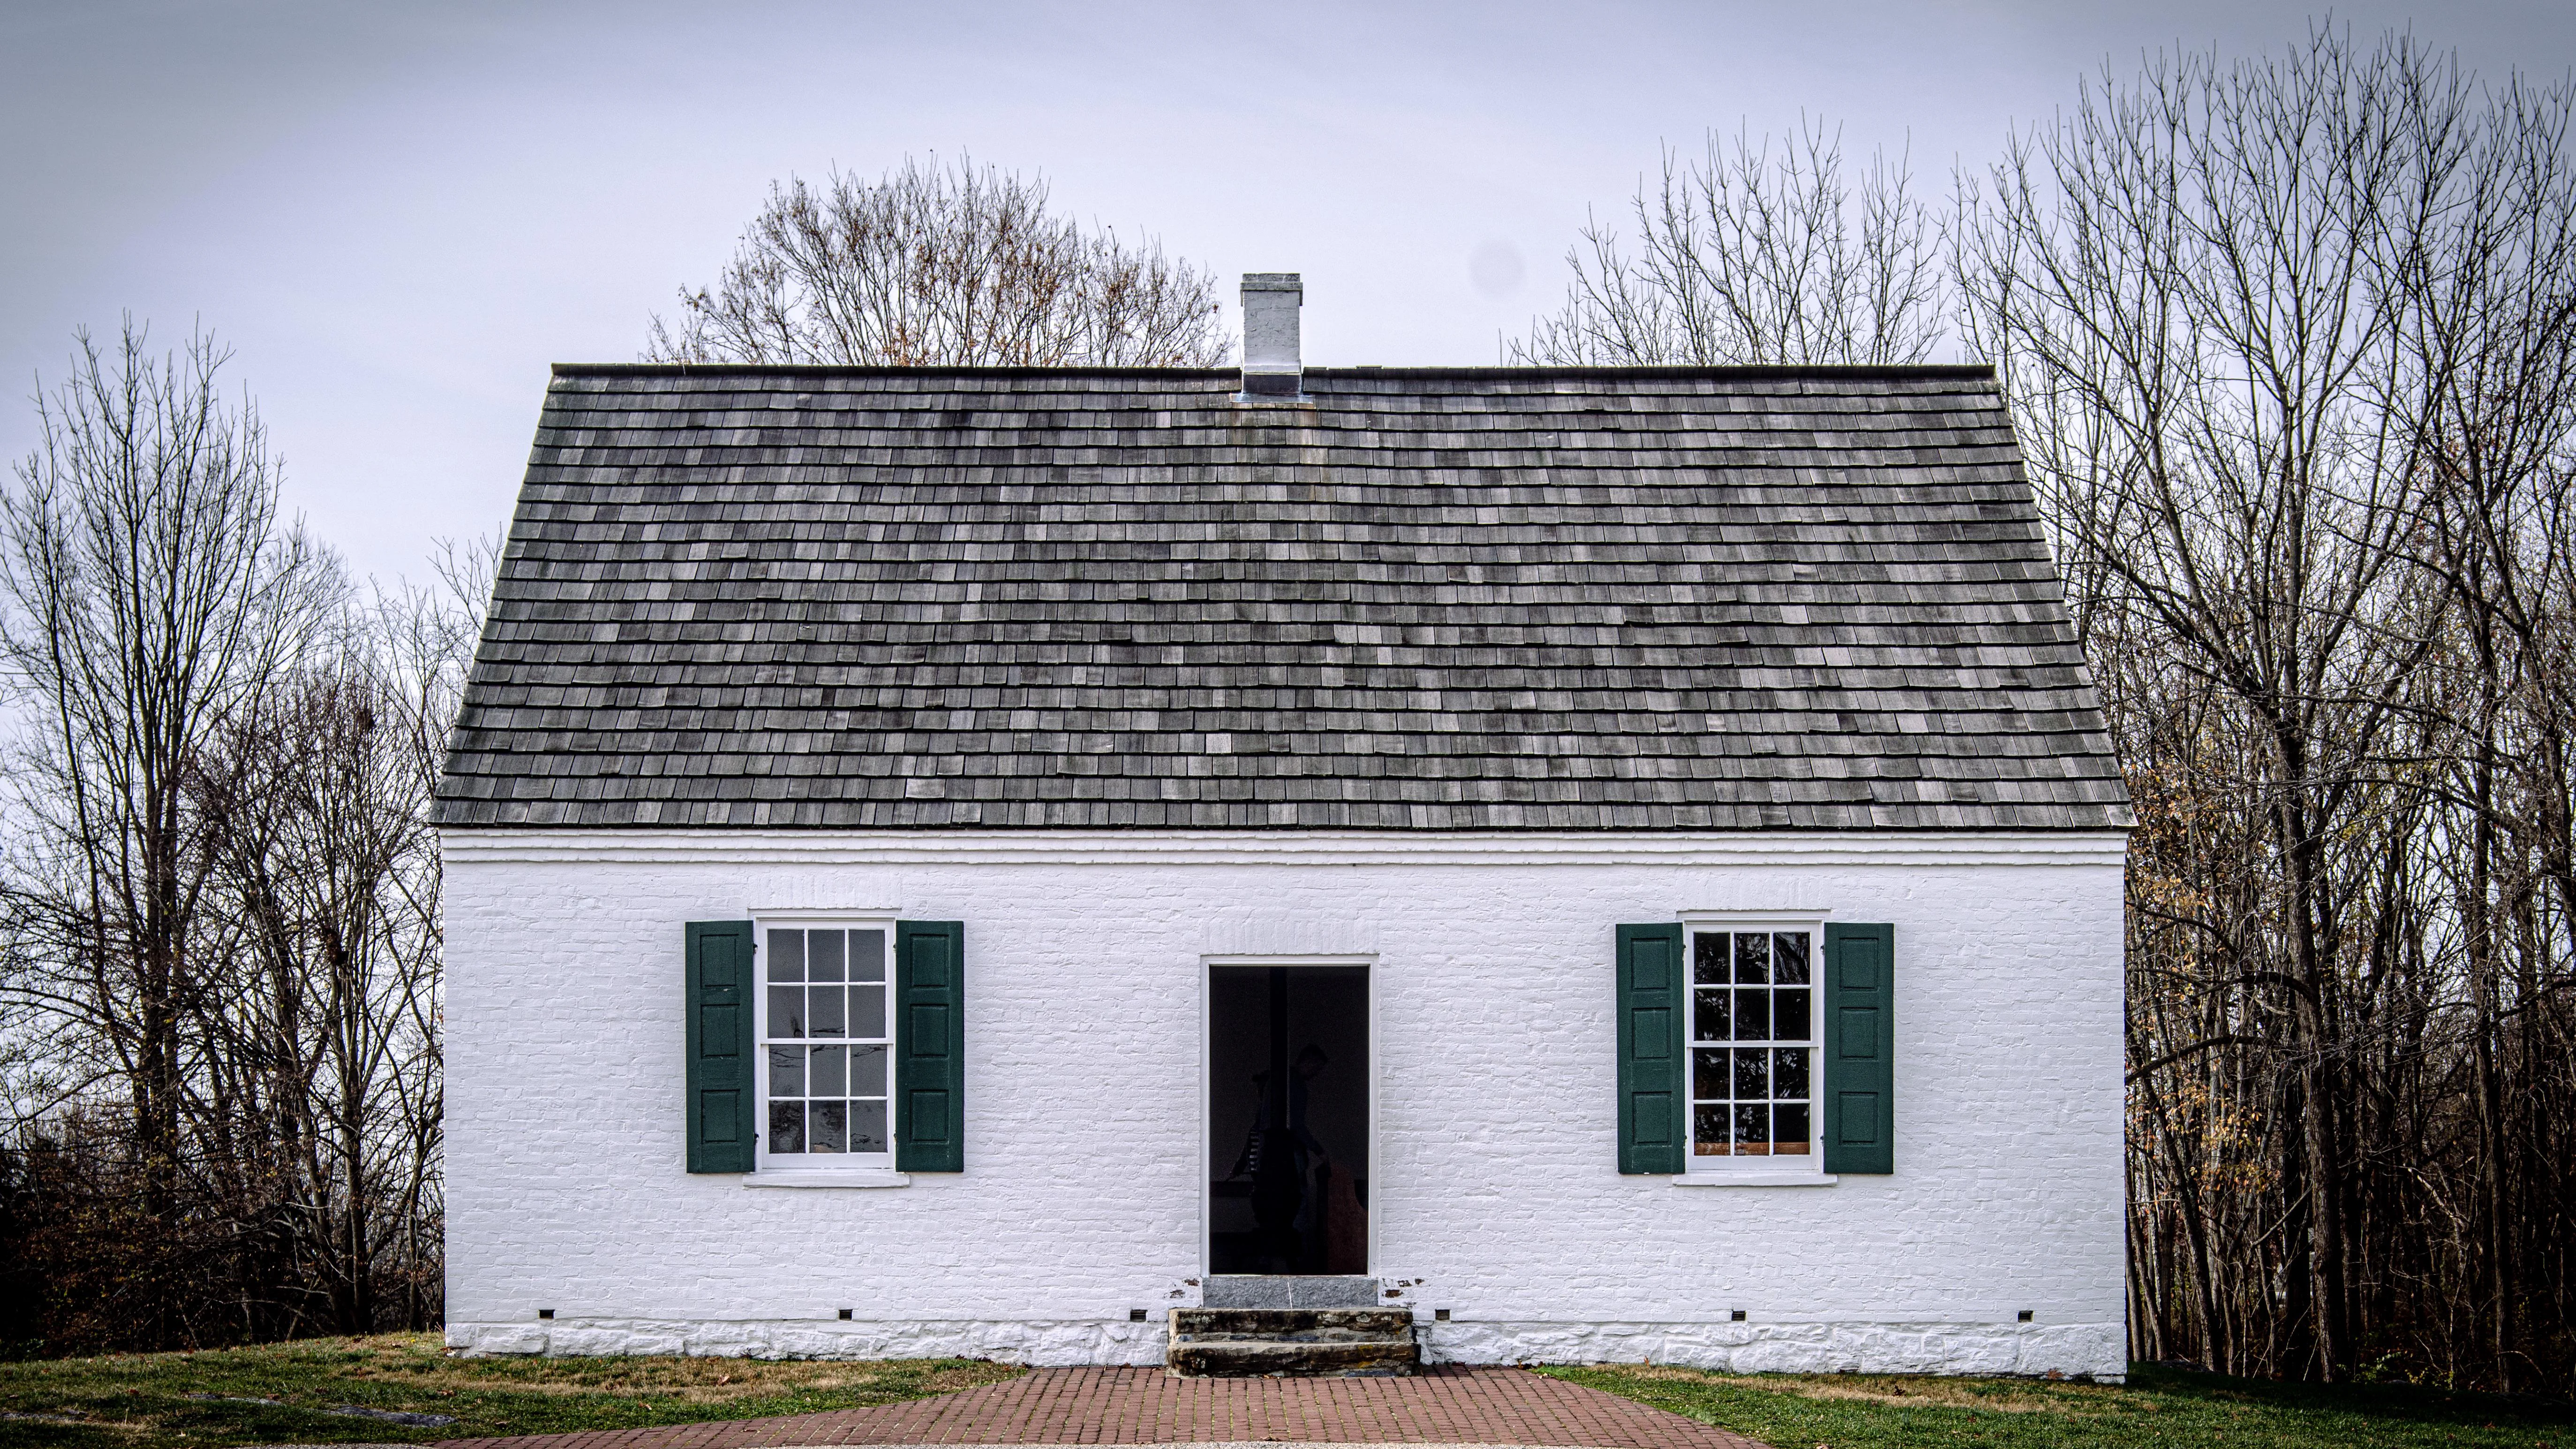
[1447,599]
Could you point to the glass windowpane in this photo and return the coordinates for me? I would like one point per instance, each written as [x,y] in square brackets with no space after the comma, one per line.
[867,1012]
[1789,958]
[787,1071]
[831,1126]
[1789,1129]
[867,955]
[1752,957]
[830,1073]
[786,1126]
[1708,1073]
[1789,1072]
[825,1017]
[1708,1134]
[1752,1131]
[1789,1016]
[1753,1015]
[867,1071]
[787,955]
[867,1127]
[1752,1074]
[787,1011]
[823,955]
[1709,1016]
[1708,959]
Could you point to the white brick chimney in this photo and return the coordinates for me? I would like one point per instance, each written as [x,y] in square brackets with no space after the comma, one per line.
[1271,361]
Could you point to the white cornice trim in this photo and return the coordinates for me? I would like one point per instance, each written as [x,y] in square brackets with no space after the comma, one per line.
[1284,847]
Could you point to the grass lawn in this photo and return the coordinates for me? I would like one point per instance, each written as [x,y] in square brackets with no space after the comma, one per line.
[193,1400]
[2155,1408]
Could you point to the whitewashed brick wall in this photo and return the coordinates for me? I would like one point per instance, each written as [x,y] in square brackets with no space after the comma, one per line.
[1495,1190]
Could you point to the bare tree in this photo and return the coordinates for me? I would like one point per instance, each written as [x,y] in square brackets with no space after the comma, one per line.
[942,266]
[1741,258]
[220,986]
[2289,343]
[149,597]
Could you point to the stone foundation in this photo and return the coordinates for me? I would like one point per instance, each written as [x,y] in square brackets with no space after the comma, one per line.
[2098,1350]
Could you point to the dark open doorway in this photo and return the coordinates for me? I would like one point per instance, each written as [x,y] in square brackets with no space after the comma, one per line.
[1289,1167]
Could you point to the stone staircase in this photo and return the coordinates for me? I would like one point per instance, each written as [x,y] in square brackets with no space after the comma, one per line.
[1306,1343]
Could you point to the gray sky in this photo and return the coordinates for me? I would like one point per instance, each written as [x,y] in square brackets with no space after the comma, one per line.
[398,216]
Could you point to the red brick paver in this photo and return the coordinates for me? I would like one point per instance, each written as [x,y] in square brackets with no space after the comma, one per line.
[1146,1406]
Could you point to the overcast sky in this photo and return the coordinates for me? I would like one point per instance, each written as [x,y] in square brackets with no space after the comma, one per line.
[398,216]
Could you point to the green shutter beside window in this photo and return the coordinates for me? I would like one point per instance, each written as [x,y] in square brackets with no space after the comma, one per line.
[1860,1049]
[722,1087]
[1653,1113]
[930,1046]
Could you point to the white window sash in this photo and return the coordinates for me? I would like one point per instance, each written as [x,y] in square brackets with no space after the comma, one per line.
[1774,1165]
[780,1167]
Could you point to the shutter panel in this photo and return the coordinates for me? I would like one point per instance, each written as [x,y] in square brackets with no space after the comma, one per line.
[1653,1113]
[930,1050]
[1860,1049]
[722,1088]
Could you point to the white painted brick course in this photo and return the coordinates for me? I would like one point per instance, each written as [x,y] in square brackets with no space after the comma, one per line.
[1495,1190]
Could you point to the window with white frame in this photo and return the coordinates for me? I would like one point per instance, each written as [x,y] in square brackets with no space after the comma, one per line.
[1753,1047]
[827,1046]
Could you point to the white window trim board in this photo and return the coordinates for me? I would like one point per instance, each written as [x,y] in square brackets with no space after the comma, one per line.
[1698,1171]
[828,1177]
[1720,1178]
[793,1169]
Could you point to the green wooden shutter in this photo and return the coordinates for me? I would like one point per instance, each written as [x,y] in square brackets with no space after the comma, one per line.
[1653,1114]
[1860,1048]
[930,1047]
[722,1087]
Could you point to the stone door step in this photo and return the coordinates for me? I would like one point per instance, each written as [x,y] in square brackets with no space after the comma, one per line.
[1291,1343]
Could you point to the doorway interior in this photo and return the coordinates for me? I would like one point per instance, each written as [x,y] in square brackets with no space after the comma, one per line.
[1288,1120]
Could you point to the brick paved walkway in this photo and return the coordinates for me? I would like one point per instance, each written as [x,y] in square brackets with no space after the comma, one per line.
[1450,1406]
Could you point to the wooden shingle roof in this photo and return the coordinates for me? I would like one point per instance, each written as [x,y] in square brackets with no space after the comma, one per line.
[1488,599]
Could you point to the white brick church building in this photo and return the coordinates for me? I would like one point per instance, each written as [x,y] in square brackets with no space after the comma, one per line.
[1624,864]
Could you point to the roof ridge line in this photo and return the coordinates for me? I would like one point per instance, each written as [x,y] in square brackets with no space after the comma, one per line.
[1908,372]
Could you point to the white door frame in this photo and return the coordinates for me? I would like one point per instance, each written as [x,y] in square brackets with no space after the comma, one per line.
[1208,967]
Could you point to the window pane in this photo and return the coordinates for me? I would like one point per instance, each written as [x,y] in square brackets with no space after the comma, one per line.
[1709,1019]
[787,955]
[823,956]
[867,955]
[786,1126]
[867,1127]
[1789,958]
[1752,1131]
[1752,1074]
[1789,1127]
[787,1011]
[787,1071]
[867,1071]
[1752,957]
[1789,1072]
[1708,959]
[826,1010]
[867,1012]
[1789,1015]
[831,1126]
[1753,1015]
[1708,1073]
[830,1072]
[1708,1134]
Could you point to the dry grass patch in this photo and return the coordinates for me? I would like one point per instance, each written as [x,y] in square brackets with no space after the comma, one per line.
[294,1392]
